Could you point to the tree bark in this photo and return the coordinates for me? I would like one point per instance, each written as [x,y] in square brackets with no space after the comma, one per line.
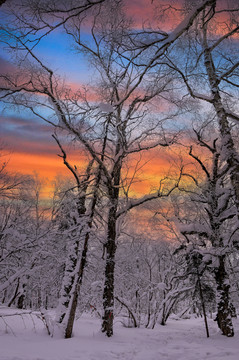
[203,304]
[228,146]
[110,246]
[71,318]
[16,293]
[224,319]
[108,294]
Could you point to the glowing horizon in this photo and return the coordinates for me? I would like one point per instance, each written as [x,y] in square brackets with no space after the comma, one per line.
[29,140]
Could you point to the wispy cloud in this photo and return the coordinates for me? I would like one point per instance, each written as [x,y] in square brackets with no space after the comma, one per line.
[26,135]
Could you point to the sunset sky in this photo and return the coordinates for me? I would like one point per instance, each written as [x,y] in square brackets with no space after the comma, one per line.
[28,140]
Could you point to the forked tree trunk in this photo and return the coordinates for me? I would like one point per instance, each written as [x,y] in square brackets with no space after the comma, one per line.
[73,282]
[75,265]
[224,318]
[79,267]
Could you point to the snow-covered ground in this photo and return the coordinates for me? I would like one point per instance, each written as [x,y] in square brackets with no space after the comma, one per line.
[24,338]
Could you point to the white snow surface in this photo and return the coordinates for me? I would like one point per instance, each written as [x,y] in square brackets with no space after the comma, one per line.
[26,339]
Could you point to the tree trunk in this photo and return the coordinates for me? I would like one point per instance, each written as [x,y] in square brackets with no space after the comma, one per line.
[39,298]
[150,297]
[72,280]
[203,304]
[20,301]
[108,294]
[224,319]
[229,148]
[72,311]
[110,246]
[68,284]
[79,275]
[16,293]
[78,268]
[77,264]
[76,290]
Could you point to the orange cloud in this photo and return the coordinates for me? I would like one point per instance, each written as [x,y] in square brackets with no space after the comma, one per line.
[47,166]
[150,169]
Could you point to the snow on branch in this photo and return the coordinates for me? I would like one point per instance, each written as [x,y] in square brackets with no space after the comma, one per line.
[12,278]
[194,229]
[185,24]
[232,115]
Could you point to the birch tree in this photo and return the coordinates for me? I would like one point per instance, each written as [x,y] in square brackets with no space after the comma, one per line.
[209,70]
[214,228]
[78,214]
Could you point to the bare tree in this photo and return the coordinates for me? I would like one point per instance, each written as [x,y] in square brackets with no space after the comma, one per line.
[214,226]
[24,229]
[79,229]
[10,184]
[110,130]
[121,113]
[204,52]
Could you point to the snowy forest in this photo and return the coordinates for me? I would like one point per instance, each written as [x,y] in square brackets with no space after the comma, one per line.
[164,89]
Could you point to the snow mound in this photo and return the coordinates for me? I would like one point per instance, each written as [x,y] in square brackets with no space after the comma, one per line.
[27,339]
